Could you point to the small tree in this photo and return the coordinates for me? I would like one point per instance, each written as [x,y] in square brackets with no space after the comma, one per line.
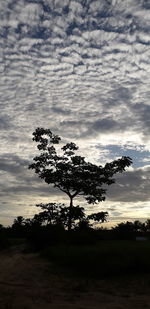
[58,214]
[147,225]
[71,173]
[50,213]
[18,226]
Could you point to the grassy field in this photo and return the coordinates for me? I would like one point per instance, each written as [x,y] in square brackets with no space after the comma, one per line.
[106,258]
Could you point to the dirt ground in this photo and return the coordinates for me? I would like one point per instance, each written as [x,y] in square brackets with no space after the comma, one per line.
[27,282]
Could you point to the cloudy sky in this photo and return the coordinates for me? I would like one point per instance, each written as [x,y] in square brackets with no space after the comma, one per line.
[82,69]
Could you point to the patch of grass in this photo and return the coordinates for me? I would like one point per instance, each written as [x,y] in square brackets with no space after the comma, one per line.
[107,258]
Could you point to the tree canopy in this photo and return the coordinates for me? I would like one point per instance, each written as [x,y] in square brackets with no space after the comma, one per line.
[71,173]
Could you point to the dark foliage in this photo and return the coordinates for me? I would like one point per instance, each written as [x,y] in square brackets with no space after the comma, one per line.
[4,240]
[131,230]
[56,213]
[70,173]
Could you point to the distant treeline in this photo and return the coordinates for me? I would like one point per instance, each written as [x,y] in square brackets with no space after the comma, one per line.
[40,235]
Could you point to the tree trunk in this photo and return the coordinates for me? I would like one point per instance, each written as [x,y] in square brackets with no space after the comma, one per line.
[70,215]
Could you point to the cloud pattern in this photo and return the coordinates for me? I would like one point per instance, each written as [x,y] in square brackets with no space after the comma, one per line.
[82,69]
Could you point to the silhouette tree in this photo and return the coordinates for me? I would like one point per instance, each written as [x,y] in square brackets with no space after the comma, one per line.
[99,216]
[83,225]
[124,230]
[137,226]
[1,227]
[19,221]
[71,173]
[56,213]
[50,213]
[18,226]
[77,214]
[147,225]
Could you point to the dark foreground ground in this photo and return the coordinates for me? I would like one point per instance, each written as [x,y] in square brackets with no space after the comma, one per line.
[28,281]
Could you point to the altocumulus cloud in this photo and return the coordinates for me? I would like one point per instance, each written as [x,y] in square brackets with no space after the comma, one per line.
[82,69]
